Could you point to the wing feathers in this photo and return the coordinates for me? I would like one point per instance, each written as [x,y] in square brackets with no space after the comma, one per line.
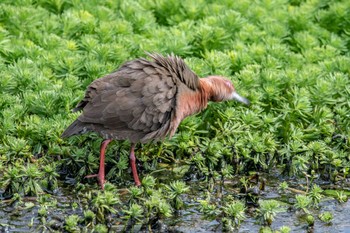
[136,102]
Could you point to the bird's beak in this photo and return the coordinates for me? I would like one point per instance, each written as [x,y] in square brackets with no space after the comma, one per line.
[239,98]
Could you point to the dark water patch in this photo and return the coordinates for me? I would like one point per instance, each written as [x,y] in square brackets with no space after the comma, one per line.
[24,216]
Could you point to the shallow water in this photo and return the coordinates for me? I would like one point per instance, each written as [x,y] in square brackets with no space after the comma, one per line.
[26,219]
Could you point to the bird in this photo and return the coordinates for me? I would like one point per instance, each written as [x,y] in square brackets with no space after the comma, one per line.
[144,101]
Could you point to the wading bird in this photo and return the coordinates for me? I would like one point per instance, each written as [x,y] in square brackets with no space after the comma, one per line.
[145,100]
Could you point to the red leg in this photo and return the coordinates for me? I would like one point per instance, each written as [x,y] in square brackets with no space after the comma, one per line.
[101,172]
[133,165]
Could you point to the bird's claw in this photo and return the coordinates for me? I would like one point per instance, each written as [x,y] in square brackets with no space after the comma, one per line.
[100,178]
[91,176]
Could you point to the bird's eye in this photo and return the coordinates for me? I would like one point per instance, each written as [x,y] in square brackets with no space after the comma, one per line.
[228,84]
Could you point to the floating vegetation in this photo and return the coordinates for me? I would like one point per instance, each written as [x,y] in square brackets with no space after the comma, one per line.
[283,160]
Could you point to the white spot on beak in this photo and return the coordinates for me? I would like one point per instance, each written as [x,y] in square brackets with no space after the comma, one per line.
[236,96]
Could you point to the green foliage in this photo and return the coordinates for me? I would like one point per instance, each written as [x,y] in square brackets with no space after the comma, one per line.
[230,210]
[89,216]
[326,217]
[71,224]
[101,228]
[303,202]
[135,212]
[176,189]
[207,208]
[283,186]
[315,194]
[234,213]
[285,229]
[268,211]
[310,220]
[104,203]
[341,196]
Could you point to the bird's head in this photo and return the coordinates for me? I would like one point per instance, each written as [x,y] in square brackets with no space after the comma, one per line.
[222,89]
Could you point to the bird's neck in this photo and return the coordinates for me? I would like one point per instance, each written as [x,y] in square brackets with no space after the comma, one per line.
[197,100]
[194,102]
[205,90]
[190,103]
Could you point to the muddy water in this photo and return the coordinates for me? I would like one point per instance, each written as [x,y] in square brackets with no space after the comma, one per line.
[25,218]
[193,221]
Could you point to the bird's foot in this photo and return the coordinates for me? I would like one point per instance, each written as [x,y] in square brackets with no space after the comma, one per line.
[100,178]
[137,183]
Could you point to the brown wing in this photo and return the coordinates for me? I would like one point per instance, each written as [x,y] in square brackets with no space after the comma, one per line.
[178,69]
[137,102]
[134,103]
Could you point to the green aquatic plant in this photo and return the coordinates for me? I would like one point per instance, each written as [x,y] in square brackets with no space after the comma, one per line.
[71,223]
[164,209]
[341,196]
[326,217]
[234,213]
[283,186]
[284,229]
[148,182]
[245,182]
[208,208]
[310,220]
[104,203]
[156,208]
[134,216]
[303,202]
[50,172]
[175,190]
[16,148]
[12,180]
[136,194]
[315,194]
[32,176]
[265,229]
[101,228]
[268,210]
[89,216]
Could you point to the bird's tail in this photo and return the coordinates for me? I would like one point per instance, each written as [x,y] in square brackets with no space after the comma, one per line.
[77,127]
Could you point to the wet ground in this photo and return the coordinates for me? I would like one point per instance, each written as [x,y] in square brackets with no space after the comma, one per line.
[24,217]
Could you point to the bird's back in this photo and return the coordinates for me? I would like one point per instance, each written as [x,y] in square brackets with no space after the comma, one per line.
[137,102]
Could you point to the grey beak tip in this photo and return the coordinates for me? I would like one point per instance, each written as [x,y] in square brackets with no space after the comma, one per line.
[246,102]
[241,99]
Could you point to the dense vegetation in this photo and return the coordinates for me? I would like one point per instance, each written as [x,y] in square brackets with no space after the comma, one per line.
[290,58]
